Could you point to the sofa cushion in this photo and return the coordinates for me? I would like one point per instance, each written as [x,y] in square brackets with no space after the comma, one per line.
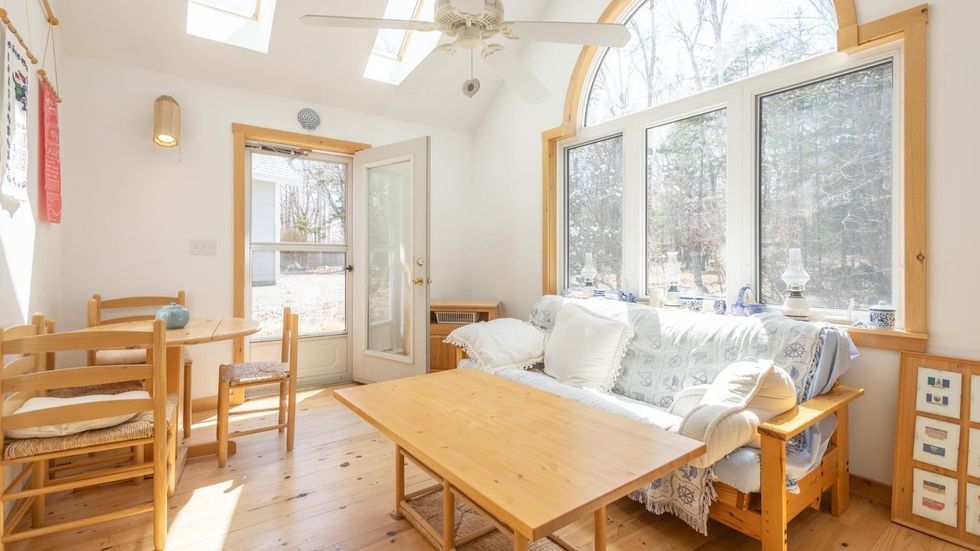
[602,400]
[500,342]
[676,349]
[742,468]
[726,414]
[586,349]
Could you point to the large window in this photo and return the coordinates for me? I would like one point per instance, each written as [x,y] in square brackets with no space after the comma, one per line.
[727,133]
[298,234]
[686,201]
[594,209]
[826,179]
[683,47]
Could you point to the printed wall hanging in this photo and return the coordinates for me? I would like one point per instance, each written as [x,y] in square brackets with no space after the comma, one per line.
[49,153]
[13,142]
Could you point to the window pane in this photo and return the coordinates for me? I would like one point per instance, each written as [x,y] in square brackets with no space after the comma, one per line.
[313,284]
[826,180]
[679,48]
[388,274]
[595,211]
[686,205]
[298,200]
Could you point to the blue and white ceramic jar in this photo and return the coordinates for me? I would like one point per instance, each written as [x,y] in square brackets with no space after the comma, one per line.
[720,306]
[881,316]
[692,303]
[176,316]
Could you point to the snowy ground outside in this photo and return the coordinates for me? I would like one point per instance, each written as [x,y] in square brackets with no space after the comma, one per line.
[319,299]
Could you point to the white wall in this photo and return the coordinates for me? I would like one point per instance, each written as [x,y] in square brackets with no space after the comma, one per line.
[130,207]
[507,186]
[30,249]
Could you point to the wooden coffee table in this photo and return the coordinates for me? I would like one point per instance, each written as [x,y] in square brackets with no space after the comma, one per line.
[530,462]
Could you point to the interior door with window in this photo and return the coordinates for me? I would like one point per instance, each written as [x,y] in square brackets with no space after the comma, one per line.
[391,270]
[297,255]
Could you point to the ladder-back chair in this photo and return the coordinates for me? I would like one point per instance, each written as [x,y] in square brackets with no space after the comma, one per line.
[231,376]
[27,376]
[136,310]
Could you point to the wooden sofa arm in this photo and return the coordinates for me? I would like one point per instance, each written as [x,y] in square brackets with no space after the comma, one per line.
[795,421]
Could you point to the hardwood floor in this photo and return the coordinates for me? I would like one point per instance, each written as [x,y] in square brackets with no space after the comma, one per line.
[334,492]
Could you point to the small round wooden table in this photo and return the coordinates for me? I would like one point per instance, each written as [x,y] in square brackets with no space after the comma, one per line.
[197,331]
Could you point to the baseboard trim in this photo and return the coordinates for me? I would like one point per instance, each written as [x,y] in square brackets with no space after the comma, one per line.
[204,404]
[877,492]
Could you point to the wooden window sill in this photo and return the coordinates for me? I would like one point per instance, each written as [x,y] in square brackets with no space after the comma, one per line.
[888,339]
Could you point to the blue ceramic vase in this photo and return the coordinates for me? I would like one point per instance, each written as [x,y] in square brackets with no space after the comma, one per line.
[175,315]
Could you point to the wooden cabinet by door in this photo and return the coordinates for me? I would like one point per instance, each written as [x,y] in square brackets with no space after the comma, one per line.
[443,356]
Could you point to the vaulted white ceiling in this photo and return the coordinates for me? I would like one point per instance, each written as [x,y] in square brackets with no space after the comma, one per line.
[313,64]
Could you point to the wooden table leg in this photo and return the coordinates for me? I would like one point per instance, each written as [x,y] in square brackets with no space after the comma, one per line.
[399,482]
[448,518]
[520,542]
[600,528]
[175,373]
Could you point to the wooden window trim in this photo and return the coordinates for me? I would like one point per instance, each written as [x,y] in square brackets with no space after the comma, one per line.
[242,133]
[908,25]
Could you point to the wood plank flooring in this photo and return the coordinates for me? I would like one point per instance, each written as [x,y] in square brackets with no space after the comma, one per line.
[334,492]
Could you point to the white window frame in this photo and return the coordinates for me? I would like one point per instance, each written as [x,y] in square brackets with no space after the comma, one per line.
[741,99]
[282,246]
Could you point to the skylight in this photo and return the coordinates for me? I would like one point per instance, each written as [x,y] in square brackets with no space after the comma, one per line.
[243,23]
[242,8]
[392,42]
[396,53]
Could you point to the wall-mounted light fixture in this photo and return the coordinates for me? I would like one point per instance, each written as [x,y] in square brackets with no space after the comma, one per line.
[166,122]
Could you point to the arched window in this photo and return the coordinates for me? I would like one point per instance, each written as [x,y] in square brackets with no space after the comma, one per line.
[682,47]
[729,132]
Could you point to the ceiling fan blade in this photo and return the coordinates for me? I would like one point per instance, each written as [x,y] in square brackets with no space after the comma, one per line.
[594,34]
[515,74]
[425,70]
[367,23]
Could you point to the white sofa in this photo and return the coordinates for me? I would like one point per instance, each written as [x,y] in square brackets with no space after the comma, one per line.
[674,356]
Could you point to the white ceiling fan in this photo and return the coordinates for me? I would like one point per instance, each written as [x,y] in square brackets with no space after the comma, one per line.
[468,25]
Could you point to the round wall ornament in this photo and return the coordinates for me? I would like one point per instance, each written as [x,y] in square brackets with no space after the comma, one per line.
[308,118]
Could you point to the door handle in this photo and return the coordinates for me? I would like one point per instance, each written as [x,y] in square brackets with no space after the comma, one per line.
[418,280]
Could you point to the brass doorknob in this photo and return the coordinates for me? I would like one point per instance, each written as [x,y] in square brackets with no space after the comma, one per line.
[418,280]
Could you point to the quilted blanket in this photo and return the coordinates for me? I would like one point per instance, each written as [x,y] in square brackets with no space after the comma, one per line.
[674,350]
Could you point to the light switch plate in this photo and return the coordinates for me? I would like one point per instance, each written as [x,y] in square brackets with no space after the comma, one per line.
[203,247]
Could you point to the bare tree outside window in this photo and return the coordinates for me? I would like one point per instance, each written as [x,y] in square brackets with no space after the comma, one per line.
[686,201]
[298,200]
[682,47]
[594,195]
[826,178]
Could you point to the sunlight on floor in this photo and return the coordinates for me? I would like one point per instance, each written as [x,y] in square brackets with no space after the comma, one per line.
[216,505]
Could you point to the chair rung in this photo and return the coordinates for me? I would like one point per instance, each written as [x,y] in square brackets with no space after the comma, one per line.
[83,480]
[254,431]
[115,458]
[35,532]
[17,515]
[275,381]
[262,410]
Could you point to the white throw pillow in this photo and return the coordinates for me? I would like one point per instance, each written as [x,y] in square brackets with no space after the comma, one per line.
[726,413]
[500,342]
[585,349]
[64,429]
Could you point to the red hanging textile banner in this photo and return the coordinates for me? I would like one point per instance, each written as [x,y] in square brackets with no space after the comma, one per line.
[49,153]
